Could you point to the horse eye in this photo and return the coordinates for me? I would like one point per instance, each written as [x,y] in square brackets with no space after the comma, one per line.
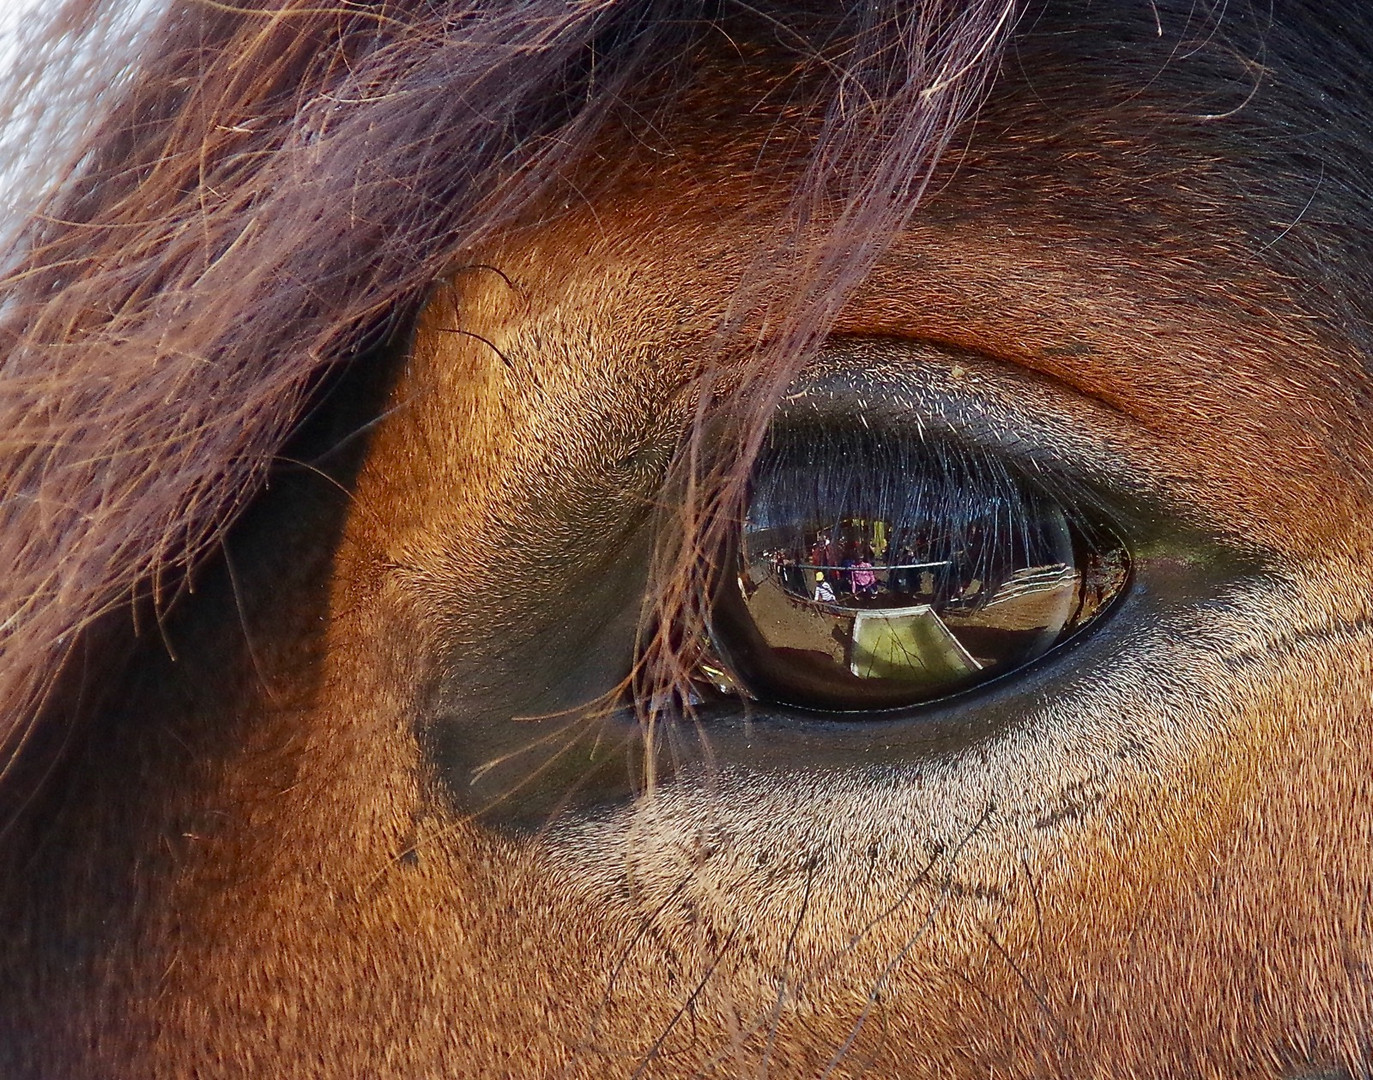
[880,571]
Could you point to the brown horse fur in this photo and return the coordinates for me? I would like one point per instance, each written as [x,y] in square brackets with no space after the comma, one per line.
[377,375]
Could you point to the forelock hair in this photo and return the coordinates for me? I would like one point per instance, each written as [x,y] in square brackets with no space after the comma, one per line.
[265,191]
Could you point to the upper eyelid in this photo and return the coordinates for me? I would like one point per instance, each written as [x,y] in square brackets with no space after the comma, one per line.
[1034,421]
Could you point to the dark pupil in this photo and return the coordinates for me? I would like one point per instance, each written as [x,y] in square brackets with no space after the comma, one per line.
[879,572]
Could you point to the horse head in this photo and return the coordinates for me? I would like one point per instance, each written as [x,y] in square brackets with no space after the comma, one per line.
[668,540]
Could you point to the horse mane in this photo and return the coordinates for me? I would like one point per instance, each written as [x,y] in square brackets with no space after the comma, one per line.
[255,195]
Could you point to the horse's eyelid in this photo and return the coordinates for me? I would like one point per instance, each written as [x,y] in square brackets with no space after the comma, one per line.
[1058,454]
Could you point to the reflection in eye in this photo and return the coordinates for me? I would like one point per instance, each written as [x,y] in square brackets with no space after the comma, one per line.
[877,571]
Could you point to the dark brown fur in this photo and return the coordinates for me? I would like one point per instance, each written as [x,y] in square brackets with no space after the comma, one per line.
[340,305]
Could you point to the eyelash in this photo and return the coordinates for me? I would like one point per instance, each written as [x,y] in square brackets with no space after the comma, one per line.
[915,479]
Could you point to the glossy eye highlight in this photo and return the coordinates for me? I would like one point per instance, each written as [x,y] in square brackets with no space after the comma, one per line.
[879,570]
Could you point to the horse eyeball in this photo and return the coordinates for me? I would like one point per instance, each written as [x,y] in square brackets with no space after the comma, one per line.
[877,571]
